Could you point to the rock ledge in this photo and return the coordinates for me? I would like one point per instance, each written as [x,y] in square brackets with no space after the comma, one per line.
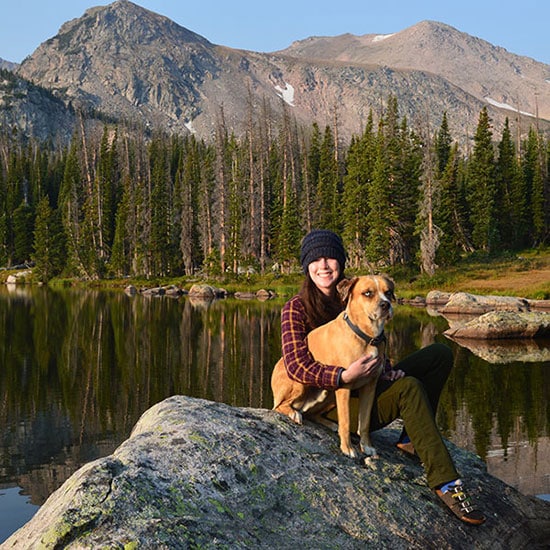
[198,474]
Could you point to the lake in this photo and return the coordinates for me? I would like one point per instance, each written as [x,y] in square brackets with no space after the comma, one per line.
[78,368]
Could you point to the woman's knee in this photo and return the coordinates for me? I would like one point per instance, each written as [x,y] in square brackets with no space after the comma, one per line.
[444,355]
[409,385]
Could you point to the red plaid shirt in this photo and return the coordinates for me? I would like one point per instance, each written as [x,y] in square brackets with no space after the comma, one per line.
[300,364]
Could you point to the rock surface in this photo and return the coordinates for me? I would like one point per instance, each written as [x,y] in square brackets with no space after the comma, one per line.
[199,474]
[463,302]
[18,277]
[504,325]
[200,290]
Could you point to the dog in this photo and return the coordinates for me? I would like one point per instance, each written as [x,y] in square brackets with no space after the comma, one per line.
[357,331]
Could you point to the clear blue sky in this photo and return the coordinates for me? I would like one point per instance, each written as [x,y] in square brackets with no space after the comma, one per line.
[520,27]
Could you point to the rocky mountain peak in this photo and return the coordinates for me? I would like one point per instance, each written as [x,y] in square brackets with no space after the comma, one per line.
[126,59]
[133,64]
[124,20]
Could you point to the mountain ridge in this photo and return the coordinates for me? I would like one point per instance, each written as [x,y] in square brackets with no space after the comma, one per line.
[132,63]
[455,64]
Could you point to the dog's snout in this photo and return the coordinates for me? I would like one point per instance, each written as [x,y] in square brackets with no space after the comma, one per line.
[385,305]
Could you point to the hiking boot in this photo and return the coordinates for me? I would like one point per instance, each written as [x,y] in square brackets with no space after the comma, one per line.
[457,500]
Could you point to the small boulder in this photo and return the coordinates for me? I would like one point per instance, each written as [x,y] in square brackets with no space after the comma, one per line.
[437,298]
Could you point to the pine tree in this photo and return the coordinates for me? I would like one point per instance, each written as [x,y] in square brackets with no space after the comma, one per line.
[236,203]
[23,226]
[405,196]
[286,227]
[188,179]
[160,196]
[448,213]
[360,162]
[451,216]
[121,253]
[533,171]
[481,185]
[205,215]
[510,199]
[71,199]
[430,197]
[312,159]
[221,192]
[443,144]
[327,198]
[380,215]
[49,249]
[108,177]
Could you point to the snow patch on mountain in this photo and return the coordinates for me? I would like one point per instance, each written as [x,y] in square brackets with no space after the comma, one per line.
[287,93]
[189,126]
[505,106]
[380,37]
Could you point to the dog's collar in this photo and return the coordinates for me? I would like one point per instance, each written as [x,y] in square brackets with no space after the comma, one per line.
[375,341]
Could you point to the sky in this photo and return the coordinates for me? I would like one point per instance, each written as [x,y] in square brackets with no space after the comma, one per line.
[265,26]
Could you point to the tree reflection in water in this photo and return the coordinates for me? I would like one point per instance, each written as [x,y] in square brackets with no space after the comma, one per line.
[78,368]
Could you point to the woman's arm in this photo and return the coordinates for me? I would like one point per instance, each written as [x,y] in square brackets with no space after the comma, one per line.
[300,364]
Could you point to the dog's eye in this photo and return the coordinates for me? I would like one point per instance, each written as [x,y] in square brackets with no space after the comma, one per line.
[389,294]
[368,293]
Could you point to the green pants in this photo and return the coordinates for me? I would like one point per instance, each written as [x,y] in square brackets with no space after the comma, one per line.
[414,398]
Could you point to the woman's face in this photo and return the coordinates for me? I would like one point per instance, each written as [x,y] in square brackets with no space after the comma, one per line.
[324,272]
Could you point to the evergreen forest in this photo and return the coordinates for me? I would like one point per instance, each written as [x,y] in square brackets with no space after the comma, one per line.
[120,202]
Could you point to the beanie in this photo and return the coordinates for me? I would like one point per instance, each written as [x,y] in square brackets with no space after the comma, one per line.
[322,243]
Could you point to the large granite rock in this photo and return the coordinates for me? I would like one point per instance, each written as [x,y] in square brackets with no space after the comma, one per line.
[198,474]
[504,325]
[463,302]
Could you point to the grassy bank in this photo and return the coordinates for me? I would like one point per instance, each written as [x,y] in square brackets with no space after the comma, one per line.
[526,274]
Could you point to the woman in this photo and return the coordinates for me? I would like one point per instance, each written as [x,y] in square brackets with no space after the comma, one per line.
[410,390]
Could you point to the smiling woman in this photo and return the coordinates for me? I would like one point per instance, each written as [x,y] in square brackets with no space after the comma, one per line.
[410,390]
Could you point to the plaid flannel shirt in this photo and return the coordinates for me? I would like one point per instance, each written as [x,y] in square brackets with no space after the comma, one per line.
[299,363]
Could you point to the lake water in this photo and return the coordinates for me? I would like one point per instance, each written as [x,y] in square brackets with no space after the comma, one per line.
[78,368]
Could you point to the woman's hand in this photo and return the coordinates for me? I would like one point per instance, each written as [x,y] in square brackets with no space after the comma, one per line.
[365,366]
[392,375]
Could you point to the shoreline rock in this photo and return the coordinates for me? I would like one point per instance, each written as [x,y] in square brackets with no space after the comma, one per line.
[504,325]
[195,473]
[475,304]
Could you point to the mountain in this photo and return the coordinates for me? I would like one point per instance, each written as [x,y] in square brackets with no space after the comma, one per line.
[130,63]
[7,65]
[32,110]
[487,72]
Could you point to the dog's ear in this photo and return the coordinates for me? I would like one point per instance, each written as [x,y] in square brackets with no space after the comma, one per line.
[344,287]
[391,286]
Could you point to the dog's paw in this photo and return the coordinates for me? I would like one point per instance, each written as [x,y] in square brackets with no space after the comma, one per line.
[370,462]
[350,451]
[369,452]
[296,416]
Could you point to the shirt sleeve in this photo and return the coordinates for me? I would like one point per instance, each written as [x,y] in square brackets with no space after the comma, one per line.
[299,363]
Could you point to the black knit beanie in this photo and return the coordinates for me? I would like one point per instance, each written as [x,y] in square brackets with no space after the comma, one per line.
[322,243]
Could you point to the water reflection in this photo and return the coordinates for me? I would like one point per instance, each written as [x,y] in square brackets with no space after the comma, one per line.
[79,368]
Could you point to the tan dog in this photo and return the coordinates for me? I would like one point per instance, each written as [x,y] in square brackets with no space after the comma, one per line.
[357,331]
